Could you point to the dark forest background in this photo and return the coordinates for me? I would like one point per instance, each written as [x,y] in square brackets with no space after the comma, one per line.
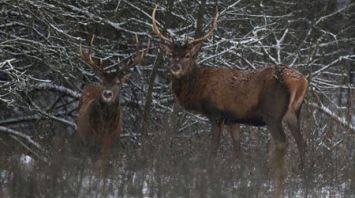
[42,75]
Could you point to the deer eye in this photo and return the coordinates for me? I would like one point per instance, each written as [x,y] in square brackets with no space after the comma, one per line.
[187,56]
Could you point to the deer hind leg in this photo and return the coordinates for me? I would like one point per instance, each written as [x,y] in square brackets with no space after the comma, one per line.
[279,137]
[234,130]
[292,119]
[216,130]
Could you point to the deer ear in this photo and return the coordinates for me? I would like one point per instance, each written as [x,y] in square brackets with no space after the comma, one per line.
[165,48]
[195,49]
[125,78]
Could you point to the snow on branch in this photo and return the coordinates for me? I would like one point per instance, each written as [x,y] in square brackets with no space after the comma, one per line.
[335,62]
[51,86]
[21,135]
[332,115]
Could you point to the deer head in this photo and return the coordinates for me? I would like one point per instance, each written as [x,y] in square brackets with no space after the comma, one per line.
[182,56]
[111,81]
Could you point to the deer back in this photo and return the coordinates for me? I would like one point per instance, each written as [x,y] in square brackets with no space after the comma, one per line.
[234,95]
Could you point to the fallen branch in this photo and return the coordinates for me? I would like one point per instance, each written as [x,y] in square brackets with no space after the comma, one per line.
[15,133]
[51,86]
[23,144]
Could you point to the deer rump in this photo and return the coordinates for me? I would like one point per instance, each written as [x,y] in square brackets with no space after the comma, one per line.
[235,96]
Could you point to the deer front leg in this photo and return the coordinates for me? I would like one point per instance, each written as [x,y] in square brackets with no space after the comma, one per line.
[234,130]
[216,129]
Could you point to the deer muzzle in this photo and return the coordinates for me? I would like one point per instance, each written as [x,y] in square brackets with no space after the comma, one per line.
[107,95]
[175,68]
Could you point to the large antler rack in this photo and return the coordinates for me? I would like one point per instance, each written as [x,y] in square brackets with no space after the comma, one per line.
[194,41]
[98,65]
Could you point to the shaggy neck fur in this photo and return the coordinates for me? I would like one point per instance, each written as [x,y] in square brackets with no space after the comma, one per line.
[102,112]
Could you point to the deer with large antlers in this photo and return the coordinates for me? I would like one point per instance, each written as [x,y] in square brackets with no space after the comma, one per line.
[100,114]
[259,97]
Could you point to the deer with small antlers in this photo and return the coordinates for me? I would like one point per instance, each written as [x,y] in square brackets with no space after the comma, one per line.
[100,114]
[266,96]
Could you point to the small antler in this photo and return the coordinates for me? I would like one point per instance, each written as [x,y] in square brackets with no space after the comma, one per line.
[87,57]
[138,57]
[206,36]
[156,28]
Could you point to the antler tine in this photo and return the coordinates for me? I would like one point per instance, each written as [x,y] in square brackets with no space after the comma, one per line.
[145,51]
[139,56]
[156,28]
[206,36]
[87,57]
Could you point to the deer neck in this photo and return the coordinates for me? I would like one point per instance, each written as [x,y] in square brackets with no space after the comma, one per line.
[185,88]
[102,112]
